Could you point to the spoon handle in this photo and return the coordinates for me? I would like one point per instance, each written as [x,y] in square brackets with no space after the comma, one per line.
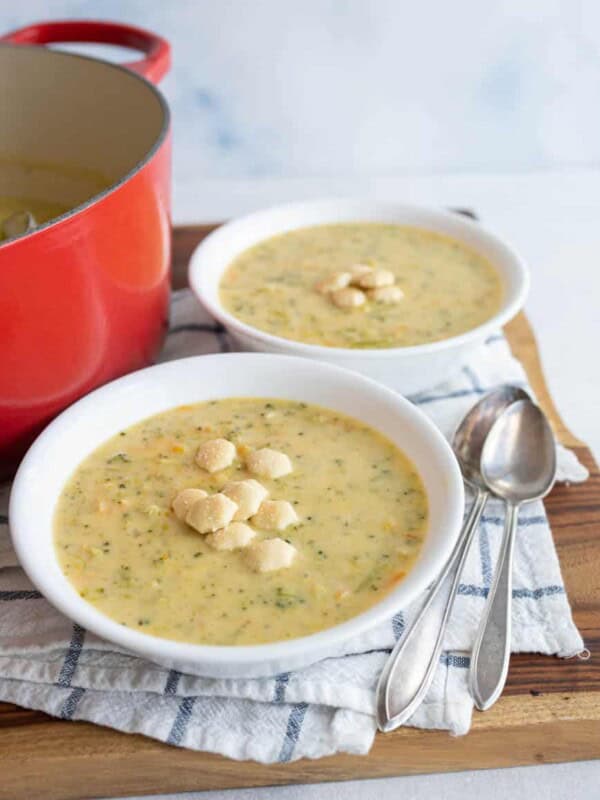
[491,652]
[410,668]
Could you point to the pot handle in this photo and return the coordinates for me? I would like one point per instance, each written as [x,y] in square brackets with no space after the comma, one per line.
[157,51]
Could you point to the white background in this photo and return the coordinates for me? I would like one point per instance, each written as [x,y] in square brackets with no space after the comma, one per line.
[369,87]
[488,105]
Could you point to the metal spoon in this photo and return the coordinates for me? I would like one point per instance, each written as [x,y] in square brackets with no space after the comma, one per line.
[518,464]
[19,223]
[410,668]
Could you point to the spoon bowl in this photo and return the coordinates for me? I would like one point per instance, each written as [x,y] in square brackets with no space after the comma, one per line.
[518,459]
[470,436]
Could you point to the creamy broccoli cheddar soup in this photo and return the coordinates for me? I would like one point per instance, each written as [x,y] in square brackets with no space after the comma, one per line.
[361,285]
[240,521]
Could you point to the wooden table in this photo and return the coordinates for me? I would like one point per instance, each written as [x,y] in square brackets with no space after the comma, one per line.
[549,712]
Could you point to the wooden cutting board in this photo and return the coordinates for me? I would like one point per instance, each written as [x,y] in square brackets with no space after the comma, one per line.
[550,710]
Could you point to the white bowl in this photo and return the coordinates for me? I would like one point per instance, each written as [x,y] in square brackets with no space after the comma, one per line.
[91,421]
[406,369]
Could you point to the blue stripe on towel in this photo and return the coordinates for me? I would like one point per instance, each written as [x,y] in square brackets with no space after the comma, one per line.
[72,656]
[68,707]
[450,660]
[293,730]
[535,594]
[181,720]
[398,624]
[364,653]
[475,391]
[281,682]
[201,327]
[20,595]
[172,682]
[470,590]
[495,337]
[524,522]
[425,399]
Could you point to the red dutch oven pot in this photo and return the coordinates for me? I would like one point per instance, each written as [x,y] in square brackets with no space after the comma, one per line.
[83,298]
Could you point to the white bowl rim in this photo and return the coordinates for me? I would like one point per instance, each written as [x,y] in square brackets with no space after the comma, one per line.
[156,648]
[196,280]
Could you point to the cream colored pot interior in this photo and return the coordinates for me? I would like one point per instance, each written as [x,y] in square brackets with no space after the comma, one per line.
[71,126]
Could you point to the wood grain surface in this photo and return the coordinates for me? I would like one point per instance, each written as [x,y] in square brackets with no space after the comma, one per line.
[550,711]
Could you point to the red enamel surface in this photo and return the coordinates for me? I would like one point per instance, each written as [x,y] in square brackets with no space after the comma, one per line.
[85,299]
[82,302]
[157,52]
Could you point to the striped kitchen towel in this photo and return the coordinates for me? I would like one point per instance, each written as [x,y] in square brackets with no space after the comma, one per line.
[48,663]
